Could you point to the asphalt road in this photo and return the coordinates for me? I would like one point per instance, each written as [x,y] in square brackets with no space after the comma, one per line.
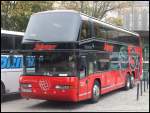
[115,101]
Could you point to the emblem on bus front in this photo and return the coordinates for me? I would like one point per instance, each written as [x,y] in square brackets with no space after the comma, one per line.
[44,85]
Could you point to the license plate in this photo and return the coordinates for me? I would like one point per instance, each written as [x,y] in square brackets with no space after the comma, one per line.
[26,90]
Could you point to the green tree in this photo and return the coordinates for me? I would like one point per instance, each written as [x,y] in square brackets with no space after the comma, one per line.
[15,14]
[96,9]
[115,21]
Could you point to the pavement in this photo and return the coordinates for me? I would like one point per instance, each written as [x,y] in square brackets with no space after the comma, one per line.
[116,101]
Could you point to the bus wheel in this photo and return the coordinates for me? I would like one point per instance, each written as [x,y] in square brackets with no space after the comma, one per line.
[95,92]
[2,92]
[132,83]
[127,85]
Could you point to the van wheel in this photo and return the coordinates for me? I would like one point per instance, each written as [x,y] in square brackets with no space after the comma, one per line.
[2,92]
[132,83]
[128,83]
[95,92]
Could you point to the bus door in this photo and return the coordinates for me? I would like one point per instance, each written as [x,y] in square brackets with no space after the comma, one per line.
[83,78]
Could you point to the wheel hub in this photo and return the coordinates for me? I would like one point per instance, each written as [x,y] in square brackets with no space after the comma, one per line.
[96,91]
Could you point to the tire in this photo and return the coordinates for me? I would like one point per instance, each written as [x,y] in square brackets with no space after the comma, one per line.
[2,92]
[132,82]
[128,83]
[95,92]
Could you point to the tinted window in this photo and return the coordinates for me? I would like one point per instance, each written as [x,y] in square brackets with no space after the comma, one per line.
[99,30]
[53,63]
[91,67]
[3,43]
[82,66]
[18,41]
[91,63]
[102,61]
[53,27]
[119,57]
[120,36]
[85,30]
[112,34]
[127,38]
[114,61]
[7,43]
[10,42]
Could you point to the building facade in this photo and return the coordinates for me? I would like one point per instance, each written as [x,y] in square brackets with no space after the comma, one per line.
[136,16]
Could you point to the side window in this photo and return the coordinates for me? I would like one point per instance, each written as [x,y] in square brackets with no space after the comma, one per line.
[82,68]
[102,65]
[91,67]
[112,34]
[100,31]
[85,30]
[7,43]
[135,41]
[3,43]
[123,56]
[18,42]
[123,37]
[102,61]
[91,59]
[131,39]
[114,61]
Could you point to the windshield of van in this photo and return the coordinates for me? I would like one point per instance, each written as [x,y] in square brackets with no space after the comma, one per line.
[52,27]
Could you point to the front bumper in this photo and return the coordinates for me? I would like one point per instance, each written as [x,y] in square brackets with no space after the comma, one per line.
[52,94]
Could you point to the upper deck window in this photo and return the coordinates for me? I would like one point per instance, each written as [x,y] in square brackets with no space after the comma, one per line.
[53,27]
[124,37]
[85,30]
[100,31]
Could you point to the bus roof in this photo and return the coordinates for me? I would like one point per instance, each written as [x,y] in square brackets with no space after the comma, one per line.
[55,11]
[82,15]
[6,32]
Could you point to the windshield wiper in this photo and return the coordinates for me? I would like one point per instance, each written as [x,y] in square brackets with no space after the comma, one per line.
[34,40]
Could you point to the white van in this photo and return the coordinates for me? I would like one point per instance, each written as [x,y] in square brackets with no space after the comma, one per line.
[11,65]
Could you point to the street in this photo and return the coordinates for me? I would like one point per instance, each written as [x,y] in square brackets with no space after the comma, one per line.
[118,100]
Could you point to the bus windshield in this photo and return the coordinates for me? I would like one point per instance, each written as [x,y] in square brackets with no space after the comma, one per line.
[52,27]
[51,64]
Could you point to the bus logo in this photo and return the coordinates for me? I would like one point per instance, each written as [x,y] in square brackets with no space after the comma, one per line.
[43,85]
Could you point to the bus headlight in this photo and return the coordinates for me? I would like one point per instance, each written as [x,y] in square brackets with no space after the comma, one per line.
[62,87]
[26,85]
[26,88]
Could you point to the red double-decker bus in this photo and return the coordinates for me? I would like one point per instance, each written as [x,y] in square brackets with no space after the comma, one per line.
[76,57]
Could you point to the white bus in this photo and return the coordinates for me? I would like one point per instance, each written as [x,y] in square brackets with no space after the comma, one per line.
[11,65]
